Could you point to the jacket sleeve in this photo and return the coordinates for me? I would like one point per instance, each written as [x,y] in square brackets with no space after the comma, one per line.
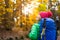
[33,33]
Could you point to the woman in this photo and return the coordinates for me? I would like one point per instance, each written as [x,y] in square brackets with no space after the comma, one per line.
[35,30]
[50,31]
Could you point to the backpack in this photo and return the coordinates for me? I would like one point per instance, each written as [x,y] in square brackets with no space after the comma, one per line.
[34,33]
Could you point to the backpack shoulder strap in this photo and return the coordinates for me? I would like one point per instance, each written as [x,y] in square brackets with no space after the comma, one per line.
[44,28]
[44,23]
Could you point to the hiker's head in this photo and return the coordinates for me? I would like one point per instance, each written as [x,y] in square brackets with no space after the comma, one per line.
[49,14]
[43,14]
[46,14]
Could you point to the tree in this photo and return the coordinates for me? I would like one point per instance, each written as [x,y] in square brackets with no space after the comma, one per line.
[6,14]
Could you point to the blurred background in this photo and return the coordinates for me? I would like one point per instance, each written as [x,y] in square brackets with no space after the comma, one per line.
[17,16]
